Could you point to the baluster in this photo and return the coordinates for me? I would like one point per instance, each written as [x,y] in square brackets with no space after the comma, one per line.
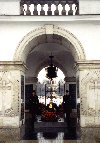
[25,9]
[74,8]
[39,9]
[49,8]
[53,8]
[60,8]
[67,8]
[45,8]
[31,8]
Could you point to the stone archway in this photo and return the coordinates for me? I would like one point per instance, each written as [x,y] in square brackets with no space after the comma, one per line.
[22,51]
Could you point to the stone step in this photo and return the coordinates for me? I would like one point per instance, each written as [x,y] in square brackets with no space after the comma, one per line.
[51,129]
[50,124]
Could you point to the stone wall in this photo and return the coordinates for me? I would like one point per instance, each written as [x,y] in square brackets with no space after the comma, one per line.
[89,7]
[9,7]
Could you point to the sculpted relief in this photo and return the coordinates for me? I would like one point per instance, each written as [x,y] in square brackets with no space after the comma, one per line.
[9,93]
[90,93]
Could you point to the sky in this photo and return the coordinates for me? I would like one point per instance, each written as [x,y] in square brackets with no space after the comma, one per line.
[42,75]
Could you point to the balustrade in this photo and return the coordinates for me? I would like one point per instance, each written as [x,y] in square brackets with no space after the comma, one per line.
[49,7]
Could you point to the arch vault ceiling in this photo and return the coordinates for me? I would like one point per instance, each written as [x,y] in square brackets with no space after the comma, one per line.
[41,47]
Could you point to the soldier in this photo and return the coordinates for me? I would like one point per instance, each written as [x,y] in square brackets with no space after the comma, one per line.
[67,107]
[34,103]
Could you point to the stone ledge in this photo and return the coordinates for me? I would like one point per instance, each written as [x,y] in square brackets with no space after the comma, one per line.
[12,65]
[88,64]
[50,124]
[79,18]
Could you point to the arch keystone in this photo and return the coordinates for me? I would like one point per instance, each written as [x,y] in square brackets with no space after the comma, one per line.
[49,29]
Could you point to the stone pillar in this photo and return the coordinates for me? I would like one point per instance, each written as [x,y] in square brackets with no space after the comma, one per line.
[88,88]
[11,95]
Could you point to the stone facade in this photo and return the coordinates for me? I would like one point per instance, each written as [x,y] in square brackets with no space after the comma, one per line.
[10,7]
[76,35]
[89,7]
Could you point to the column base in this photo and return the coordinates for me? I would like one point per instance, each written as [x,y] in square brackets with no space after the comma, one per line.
[90,135]
[8,134]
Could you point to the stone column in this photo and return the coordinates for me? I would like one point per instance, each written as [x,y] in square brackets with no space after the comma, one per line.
[11,96]
[88,88]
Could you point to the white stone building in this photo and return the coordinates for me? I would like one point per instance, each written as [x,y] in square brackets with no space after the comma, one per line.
[28,34]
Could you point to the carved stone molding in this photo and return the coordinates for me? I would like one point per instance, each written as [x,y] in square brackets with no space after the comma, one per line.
[12,65]
[90,92]
[21,52]
[88,73]
[92,64]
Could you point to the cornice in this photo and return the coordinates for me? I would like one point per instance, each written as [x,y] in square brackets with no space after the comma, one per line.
[12,65]
[20,18]
[90,64]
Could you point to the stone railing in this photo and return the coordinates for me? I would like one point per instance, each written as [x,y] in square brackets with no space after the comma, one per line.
[47,7]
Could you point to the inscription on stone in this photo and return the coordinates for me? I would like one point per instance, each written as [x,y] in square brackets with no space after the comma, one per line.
[94,87]
[5,87]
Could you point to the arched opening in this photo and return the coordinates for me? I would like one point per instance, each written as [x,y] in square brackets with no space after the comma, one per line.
[29,42]
[35,49]
[56,86]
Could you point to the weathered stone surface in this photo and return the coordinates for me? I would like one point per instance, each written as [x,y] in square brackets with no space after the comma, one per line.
[9,134]
[90,135]
[89,91]
[10,94]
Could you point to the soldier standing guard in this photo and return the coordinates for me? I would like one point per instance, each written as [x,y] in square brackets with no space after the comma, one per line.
[34,103]
[67,107]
